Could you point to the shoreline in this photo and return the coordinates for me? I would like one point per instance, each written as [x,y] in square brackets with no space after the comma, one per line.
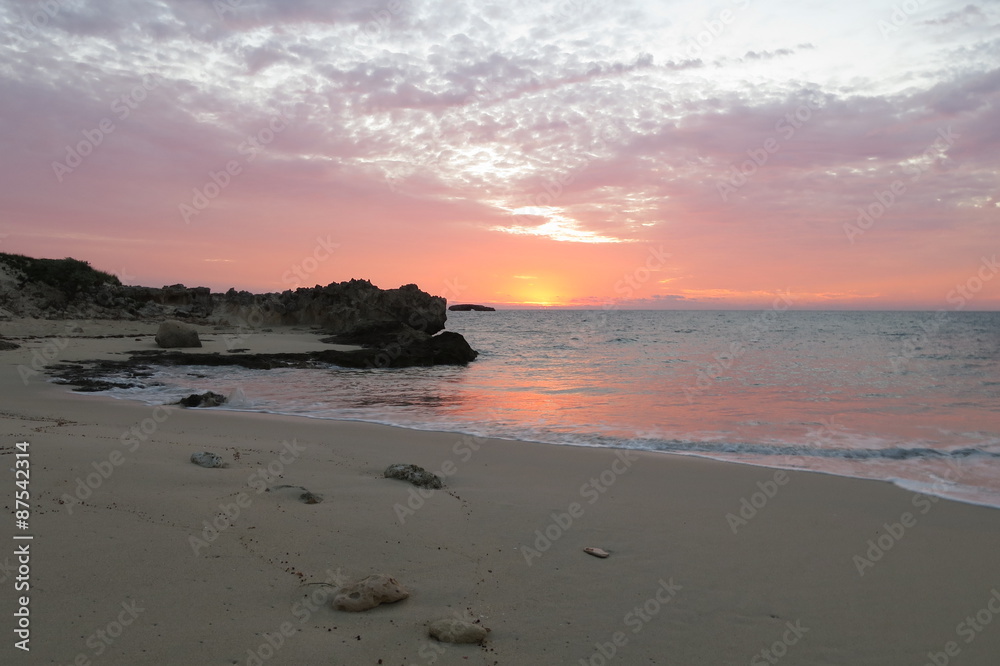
[946,472]
[935,489]
[899,483]
[502,542]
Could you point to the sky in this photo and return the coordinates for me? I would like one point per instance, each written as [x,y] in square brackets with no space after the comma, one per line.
[573,153]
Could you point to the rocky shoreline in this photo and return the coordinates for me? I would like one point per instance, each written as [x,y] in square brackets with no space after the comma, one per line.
[394,327]
[71,289]
[446,348]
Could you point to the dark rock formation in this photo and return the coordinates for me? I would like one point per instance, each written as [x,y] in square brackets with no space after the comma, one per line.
[415,474]
[46,285]
[71,289]
[341,308]
[176,334]
[207,399]
[378,334]
[447,348]
[466,307]
[6,345]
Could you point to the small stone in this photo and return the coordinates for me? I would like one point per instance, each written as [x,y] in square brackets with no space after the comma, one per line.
[416,475]
[368,593]
[206,399]
[597,552]
[310,498]
[206,459]
[453,630]
[306,496]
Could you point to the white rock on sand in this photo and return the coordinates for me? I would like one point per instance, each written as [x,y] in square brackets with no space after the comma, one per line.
[369,592]
[453,630]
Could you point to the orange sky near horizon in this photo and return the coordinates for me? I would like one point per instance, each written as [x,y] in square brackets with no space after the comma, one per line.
[623,155]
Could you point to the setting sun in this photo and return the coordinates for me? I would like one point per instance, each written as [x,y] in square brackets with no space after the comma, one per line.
[536,295]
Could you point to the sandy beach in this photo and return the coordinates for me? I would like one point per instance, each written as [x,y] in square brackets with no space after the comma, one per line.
[139,556]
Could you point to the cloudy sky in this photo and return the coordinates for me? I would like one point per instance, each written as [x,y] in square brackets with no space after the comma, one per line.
[579,152]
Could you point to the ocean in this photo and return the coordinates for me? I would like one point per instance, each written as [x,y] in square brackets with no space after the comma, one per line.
[910,397]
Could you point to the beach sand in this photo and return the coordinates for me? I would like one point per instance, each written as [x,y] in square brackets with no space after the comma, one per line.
[131,575]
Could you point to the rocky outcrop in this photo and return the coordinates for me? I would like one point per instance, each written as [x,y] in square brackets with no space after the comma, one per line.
[467,307]
[415,474]
[398,327]
[340,308]
[378,334]
[369,593]
[176,334]
[71,289]
[447,348]
[96,375]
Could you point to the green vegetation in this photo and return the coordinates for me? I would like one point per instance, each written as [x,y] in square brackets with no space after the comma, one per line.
[70,276]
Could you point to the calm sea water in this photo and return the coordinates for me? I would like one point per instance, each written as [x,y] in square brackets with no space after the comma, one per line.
[906,396]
